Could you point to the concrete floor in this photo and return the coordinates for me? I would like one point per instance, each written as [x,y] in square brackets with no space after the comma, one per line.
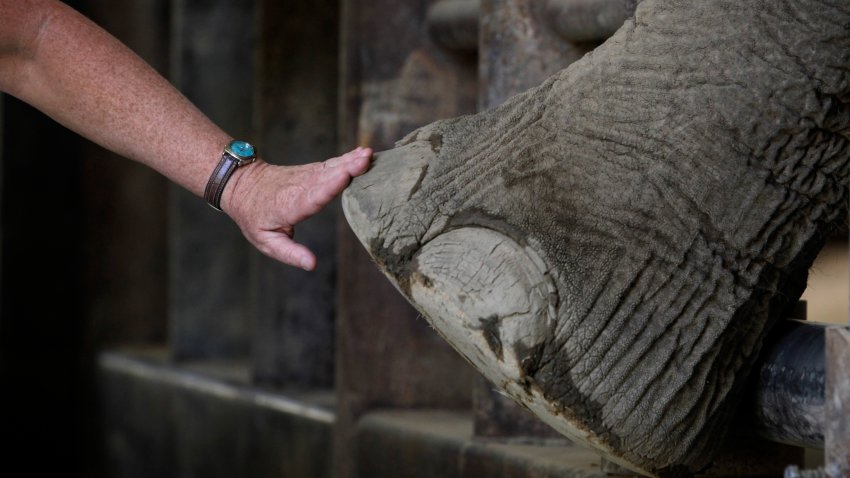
[829,285]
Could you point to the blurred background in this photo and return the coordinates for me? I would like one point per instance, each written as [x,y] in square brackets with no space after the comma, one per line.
[141,336]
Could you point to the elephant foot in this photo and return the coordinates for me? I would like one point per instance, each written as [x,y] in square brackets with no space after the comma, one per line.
[611,247]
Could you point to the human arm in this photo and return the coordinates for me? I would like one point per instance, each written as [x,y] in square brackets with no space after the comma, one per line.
[61,63]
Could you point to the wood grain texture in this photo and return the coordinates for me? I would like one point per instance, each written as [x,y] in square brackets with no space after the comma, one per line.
[208,316]
[837,401]
[295,120]
[393,80]
[518,50]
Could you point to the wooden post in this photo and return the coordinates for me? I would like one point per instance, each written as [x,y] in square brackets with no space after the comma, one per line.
[125,229]
[209,290]
[296,123]
[2,147]
[394,79]
[42,321]
[837,433]
[517,51]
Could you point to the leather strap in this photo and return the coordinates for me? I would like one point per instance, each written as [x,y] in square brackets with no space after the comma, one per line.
[215,186]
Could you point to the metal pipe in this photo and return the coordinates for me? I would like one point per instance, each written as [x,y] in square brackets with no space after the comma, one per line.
[580,21]
[453,24]
[789,385]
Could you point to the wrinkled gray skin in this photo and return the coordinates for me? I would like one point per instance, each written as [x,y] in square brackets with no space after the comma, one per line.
[611,247]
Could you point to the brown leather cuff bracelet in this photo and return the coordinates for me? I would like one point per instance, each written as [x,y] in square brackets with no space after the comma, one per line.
[236,153]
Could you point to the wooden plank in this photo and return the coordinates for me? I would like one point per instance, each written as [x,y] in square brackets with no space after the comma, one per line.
[42,320]
[518,51]
[209,295]
[296,88]
[2,147]
[166,420]
[437,443]
[393,80]
[837,433]
[125,224]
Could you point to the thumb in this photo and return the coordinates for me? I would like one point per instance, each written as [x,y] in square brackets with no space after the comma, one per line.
[282,248]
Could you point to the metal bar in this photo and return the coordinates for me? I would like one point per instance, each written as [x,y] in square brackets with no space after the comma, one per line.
[789,385]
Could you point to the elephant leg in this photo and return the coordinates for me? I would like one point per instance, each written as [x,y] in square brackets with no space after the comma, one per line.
[611,247]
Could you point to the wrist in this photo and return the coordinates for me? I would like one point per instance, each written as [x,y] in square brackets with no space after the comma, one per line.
[237,191]
[236,155]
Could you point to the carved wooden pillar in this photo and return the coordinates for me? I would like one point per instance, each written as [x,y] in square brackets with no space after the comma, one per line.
[393,80]
[296,123]
[209,292]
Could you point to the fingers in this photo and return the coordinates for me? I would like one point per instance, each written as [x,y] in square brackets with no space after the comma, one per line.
[327,189]
[316,186]
[359,164]
[355,162]
[282,248]
[317,196]
[329,181]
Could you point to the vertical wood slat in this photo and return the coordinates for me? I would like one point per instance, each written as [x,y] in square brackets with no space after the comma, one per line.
[296,102]
[517,51]
[42,310]
[209,291]
[393,80]
[125,230]
[2,148]
[837,433]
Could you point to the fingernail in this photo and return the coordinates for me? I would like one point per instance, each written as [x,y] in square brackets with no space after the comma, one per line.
[305,263]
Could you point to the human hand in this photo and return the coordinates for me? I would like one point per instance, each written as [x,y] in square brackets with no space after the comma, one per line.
[267,201]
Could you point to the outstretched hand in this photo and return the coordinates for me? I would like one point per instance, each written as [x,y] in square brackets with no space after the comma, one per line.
[66,66]
[267,201]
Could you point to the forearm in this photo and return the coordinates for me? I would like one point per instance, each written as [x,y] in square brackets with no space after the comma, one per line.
[58,61]
[83,78]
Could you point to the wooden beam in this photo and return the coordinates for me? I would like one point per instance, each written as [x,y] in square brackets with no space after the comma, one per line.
[394,79]
[209,295]
[296,104]
[837,433]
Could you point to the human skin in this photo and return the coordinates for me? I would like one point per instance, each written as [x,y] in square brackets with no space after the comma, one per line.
[611,247]
[66,66]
